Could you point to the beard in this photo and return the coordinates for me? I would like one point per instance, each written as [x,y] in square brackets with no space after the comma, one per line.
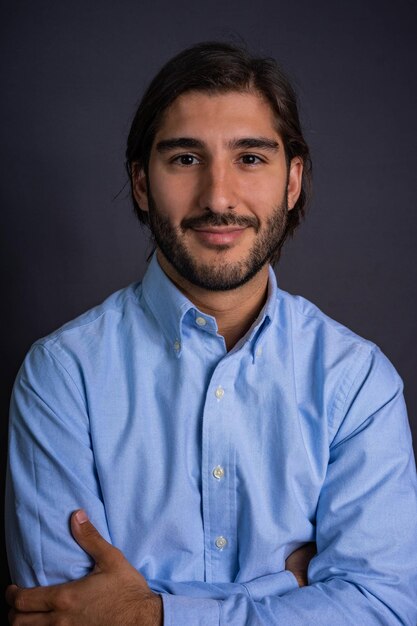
[221,276]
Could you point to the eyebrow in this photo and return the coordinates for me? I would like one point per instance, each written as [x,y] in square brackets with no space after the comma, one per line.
[165,145]
[243,143]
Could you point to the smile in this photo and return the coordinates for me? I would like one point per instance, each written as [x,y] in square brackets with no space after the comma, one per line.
[219,235]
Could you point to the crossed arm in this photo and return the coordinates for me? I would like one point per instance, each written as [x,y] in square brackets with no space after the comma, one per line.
[114,594]
[366,523]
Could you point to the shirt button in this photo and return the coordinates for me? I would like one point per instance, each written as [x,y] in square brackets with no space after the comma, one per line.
[219,393]
[177,345]
[218,472]
[200,321]
[220,543]
[259,351]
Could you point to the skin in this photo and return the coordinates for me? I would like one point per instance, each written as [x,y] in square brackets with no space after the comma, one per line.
[114,594]
[220,175]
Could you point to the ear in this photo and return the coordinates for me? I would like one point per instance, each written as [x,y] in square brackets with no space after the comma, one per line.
[295,177]
[140,187]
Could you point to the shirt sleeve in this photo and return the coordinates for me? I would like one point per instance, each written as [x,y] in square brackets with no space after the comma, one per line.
[51,472]
[365,571]
[366,523]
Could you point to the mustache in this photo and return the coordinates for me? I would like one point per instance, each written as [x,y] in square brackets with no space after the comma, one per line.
[220,219]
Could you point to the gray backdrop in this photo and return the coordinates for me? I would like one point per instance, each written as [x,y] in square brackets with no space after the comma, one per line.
[71,75]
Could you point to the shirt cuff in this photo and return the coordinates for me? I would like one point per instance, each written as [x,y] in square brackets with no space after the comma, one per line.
[180,610]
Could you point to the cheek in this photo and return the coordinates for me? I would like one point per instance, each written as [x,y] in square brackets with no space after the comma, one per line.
[265,205]
[164,197]
[173,200]
[264,193]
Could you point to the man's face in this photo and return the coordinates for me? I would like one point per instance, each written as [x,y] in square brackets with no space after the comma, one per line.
[218,188]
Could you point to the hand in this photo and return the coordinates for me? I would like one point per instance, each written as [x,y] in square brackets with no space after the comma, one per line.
[114,594]
[299,560]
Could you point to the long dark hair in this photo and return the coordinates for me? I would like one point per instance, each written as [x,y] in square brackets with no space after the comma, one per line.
[220,67]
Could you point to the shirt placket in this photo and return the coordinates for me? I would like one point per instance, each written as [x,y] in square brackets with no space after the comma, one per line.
[218,476]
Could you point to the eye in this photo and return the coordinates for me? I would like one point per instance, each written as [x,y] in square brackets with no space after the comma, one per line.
[251,159]
[185,160]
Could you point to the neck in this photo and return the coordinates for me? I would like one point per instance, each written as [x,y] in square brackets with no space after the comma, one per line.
[235,310]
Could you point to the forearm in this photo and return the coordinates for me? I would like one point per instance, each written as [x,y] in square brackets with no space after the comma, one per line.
[333,603]
[272,584]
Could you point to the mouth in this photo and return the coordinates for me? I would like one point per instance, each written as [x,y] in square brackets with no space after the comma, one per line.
[219,235]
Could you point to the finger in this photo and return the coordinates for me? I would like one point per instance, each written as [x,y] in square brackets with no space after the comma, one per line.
[309,550]
[303,553]
[104,554]
[32,600]
[28,619]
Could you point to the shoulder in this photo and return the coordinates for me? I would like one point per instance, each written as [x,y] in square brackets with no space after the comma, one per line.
[310,321]
[90,336]
[314,332]
[115,306]
[107,317]
[338,361]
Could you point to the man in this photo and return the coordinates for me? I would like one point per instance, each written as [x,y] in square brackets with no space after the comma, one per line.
[208,423]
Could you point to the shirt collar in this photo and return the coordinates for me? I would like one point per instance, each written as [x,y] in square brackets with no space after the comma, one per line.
[257,332]
[170,306]
[166,302]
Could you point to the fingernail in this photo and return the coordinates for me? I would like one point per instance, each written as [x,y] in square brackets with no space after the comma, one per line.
[81,516]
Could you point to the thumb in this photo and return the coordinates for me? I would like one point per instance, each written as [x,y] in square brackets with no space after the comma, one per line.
[87,536]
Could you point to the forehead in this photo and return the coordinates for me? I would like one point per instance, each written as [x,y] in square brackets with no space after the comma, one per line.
[230,114]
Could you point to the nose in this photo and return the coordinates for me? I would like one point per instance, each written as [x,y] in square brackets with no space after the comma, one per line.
[218,188]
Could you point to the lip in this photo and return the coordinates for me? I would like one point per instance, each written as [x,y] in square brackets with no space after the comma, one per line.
[220,235]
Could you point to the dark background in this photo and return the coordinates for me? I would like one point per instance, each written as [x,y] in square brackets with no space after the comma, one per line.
[71,76]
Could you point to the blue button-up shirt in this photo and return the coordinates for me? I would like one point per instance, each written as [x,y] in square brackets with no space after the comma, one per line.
[207,468]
